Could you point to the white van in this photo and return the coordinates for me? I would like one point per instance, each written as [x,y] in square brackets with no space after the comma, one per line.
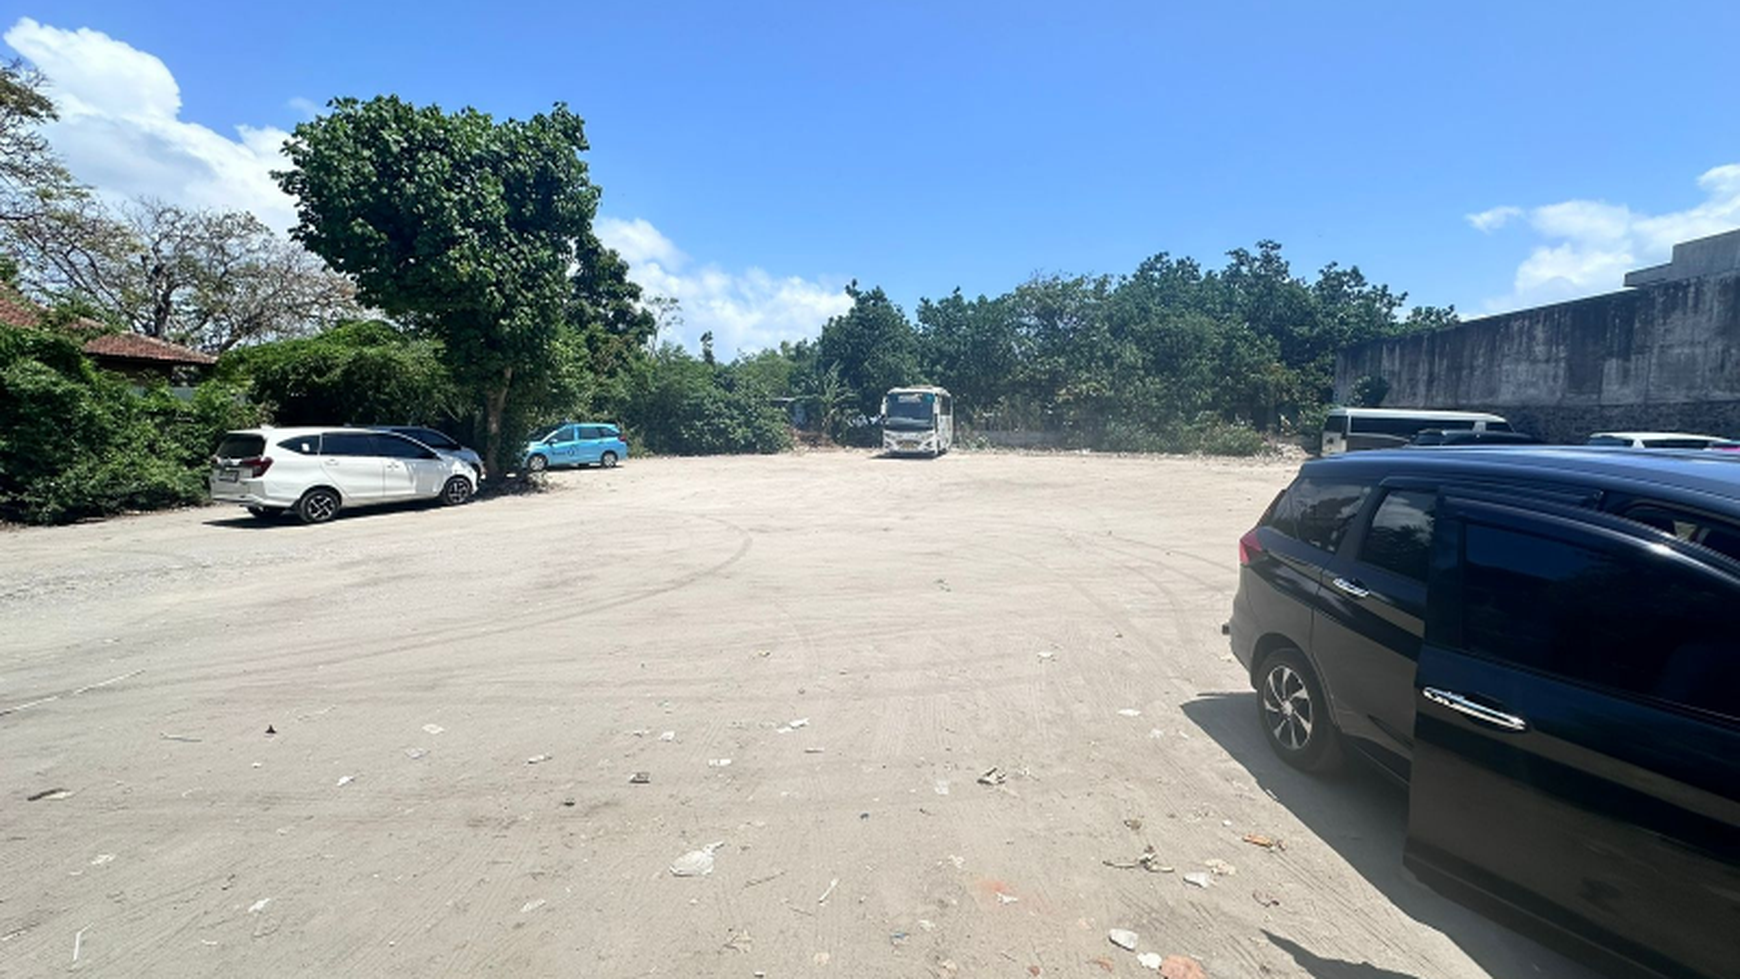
[312,472]
[1355,429]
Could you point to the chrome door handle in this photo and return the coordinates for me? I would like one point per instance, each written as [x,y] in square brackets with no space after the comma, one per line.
[1351,588]
[1480,712]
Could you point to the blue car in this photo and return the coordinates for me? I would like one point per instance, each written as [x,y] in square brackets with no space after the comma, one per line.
[576,444]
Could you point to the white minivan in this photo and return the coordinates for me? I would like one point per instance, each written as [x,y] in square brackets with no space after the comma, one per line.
[316,471]
[1354,429]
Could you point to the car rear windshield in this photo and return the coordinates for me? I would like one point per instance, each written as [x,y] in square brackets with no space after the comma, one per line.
[241,445]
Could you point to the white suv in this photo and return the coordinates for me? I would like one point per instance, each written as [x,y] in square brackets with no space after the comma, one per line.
[315,471]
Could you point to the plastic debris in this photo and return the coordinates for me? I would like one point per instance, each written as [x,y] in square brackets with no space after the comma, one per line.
[740,941]
[101,859]
[259,905]
[821,958]
[165,735]
[1149,960]
[1220,867]
[800,722]
[415,753]
[1265,898]
[537,759]
[640,778]
[531,906]
[1003,898]
[1047,654]
[433,729]
[718,763]
[1197,879]
[764,653]
[926,924]
[668,736]
[1130,712]
[814,751]
[48,795]
[640,732]
[1181,967]
[345,780]
[696,863]
[941,786]
[1123,938]
[829,892]
[993,776]
[1266,842]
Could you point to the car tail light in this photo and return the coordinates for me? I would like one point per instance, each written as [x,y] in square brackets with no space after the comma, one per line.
[256,466]
[1249,547]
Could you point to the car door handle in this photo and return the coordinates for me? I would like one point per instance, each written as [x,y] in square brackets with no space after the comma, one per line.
[1480,712]
[1352,588]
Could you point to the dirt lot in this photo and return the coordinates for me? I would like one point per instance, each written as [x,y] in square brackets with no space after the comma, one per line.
[460,698]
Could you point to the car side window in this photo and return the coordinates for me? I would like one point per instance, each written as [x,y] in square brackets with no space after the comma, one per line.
[590,432]
[398,447]
[346,444]
[1693,528]
[1626,619]
[432,438]
[1400,536]
[567,433]
[306,445]
[1319,513]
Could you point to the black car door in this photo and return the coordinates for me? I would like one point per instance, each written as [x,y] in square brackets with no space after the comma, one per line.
[1371,618]
[1577,739]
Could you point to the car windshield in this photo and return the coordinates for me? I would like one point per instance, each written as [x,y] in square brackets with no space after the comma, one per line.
[544,433]
[909,412]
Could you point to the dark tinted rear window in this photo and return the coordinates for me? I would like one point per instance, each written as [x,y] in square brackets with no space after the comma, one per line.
[1676,443]
[1317,512]
[1498,426]
[238,445]
[347,444]
[1607,440]
[1628,620]
[1400,536]
[302,445]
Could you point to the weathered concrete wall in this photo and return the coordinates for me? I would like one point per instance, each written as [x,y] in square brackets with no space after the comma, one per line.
[1664,356]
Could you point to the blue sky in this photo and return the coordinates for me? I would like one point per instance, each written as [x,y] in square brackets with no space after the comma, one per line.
[755,156]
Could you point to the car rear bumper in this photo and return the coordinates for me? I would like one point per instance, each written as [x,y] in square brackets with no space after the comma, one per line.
[1241,630]
[247,492]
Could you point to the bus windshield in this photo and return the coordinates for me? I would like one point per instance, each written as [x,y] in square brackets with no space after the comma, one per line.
[909,412]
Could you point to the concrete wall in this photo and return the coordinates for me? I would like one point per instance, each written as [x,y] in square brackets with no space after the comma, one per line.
[1664,356]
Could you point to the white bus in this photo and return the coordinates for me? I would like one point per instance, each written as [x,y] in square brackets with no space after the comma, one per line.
[1354,429]
[918,421]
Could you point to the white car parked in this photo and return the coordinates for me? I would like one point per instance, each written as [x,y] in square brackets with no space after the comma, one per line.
[1655,440]
[316,471]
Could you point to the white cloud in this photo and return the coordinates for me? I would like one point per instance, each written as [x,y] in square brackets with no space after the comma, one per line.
[120,128]
[1494,218]
[745,311]
[1590,245]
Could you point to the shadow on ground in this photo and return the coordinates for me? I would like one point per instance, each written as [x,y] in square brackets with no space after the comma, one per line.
[1363,816]
[241,519]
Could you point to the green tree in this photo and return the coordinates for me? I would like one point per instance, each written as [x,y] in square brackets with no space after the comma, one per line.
[872,344]
[361,373]
[473,231]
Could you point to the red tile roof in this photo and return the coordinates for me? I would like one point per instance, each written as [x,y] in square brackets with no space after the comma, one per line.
[17,311]
[132,346]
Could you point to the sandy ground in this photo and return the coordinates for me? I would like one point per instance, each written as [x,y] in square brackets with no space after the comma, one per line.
[460,698]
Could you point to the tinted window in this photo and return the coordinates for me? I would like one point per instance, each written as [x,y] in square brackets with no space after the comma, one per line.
[1400,427]
[347,444]
[1628,620]
[1693,528]
[430,437]
[567,433]
[240,446]
[398,447]
[1318,513]
[1400,536]
[1498,426]
[1335,425]
[1607,440]
[302,445]
[1676,443]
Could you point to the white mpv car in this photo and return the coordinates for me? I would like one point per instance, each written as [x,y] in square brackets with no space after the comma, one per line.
[316,471]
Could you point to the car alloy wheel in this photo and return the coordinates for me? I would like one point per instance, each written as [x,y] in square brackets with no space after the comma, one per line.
[608,460]
[537,463]
[457,491]
[1288,708]
[318,506]
[1295,713]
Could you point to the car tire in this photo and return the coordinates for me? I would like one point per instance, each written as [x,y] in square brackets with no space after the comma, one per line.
[318,505]
[1295,713]
[457,491]
[265,514]
[537,463]
[607,460]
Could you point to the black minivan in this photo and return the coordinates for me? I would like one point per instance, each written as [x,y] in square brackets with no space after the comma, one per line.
[1544,643]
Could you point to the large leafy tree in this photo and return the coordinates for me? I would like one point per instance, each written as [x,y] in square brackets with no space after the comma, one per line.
[475,231]
[872,345]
